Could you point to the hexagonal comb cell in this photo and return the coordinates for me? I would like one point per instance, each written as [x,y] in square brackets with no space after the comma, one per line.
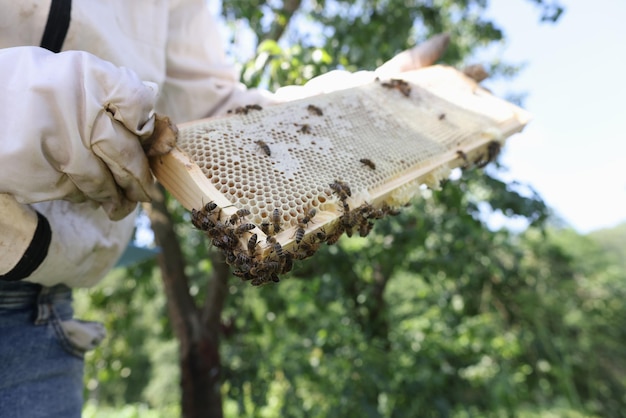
[270,185]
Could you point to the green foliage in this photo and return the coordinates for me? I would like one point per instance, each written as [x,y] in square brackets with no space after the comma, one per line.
[433,314]
[131,304]
[612,242]
[93,410]
[455,332]
[353,35]
[360,34]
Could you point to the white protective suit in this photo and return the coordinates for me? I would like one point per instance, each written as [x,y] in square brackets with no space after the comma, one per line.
[70,121]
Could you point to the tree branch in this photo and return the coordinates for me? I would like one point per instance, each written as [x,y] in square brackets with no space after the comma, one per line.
[181,306]
[282,19]
[217,292]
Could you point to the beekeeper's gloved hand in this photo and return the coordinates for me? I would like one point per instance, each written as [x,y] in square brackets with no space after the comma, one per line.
[70,128]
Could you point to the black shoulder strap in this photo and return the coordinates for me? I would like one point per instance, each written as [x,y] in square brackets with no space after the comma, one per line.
[57,25]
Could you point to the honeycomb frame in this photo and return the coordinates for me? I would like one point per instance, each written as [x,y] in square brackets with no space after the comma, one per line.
[270,185]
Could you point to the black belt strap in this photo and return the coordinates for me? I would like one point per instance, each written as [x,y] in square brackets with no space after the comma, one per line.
[57,25]
[35,253]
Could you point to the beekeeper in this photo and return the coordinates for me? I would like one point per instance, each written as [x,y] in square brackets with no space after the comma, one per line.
[80,85]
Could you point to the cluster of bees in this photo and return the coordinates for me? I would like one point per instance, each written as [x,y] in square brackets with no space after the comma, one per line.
[228,234]
[235,238]
[358,218]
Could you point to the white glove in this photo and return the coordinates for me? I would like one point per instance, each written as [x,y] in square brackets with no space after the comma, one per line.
[71,243]
[420,56]
[85,244]
[70,128]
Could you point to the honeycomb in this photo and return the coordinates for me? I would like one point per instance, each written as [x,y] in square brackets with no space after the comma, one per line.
[286,178]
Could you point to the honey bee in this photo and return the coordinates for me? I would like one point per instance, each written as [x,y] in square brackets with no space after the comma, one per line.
[276,220]
[278,249]
[258,281]
[299,234]
[309,215]
[210,207]
[303,222]
[343,191]
[345,187]
[321,235]
[196,218]
[244,110]
[243,259]
[366,211]
[368,162]
[243,274]
[201,220]
[336,187]
[238,111]
[287,263]
[374,214]
[493,149]
[335,235]
[222,236]
[463,156]
[264,147]
[217,229]
[306,249]
[256,270]
[230,257]
[349,221]
[341,188]
[315,110]
[244,228]
[304,128]
[388,210]
[252,244]
[365,228]
[400,85]
[241,213]
[225,242]
[265,267]
[265,227]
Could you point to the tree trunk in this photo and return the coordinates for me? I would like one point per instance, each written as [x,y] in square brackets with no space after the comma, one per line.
[196,331]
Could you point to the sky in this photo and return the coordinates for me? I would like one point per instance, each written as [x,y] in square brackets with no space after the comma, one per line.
[574,150]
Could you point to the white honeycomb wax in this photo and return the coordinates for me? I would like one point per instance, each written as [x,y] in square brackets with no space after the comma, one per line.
[383,143]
